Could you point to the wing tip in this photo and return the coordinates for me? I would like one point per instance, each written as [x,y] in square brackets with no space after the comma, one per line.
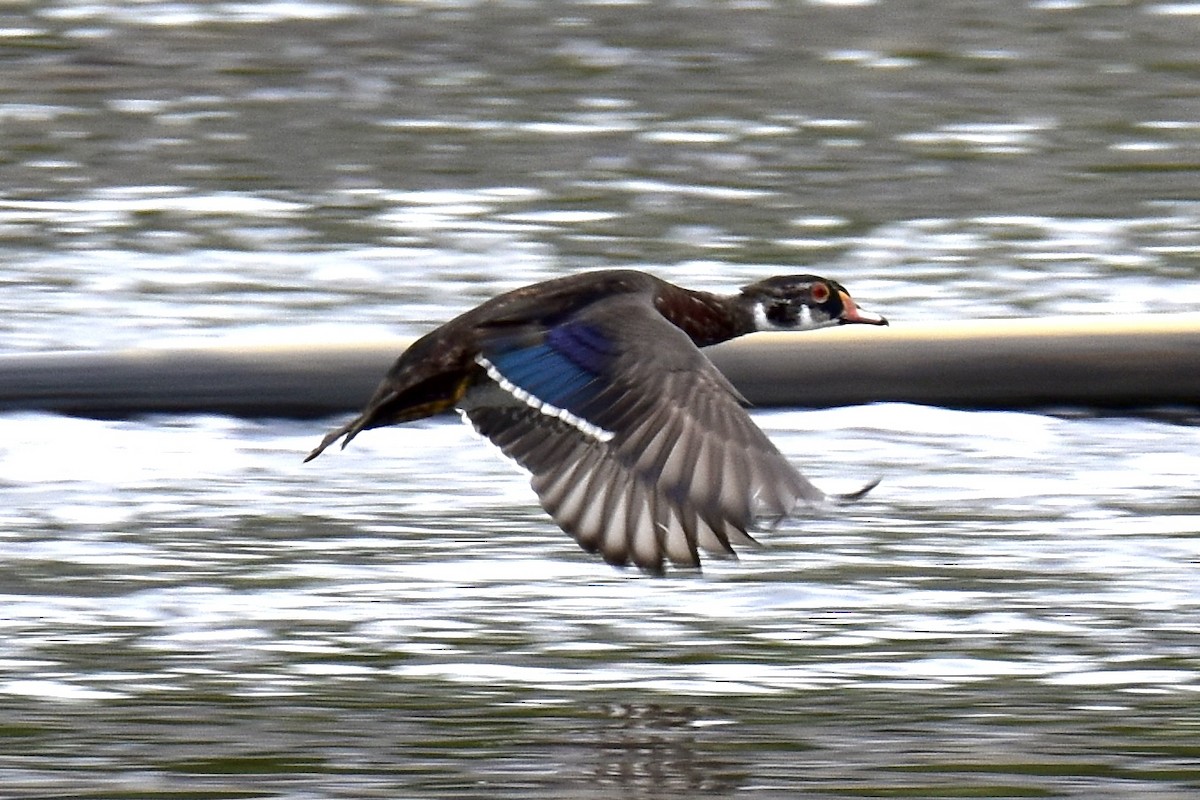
[851,497]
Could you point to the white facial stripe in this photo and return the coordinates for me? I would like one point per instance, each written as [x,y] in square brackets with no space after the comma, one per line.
[805,321]
[580,424]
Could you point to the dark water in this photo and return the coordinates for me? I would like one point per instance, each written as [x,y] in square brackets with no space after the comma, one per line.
[188,611]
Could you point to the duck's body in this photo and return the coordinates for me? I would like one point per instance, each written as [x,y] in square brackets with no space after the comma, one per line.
[638,447]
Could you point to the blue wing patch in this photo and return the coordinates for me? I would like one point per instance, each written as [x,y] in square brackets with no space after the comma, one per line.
[585,345]
[565,370]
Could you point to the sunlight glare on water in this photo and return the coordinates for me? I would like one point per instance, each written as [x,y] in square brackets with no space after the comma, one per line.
[418,560]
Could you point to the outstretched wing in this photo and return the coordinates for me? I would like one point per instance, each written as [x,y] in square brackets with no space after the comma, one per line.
[638,447]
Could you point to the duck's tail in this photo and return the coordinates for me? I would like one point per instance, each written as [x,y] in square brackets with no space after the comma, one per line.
[349,430]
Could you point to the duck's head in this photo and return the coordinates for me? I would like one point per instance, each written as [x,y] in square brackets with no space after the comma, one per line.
[803,302]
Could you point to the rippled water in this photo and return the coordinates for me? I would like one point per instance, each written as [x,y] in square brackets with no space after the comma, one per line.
[190,609]
[187,610]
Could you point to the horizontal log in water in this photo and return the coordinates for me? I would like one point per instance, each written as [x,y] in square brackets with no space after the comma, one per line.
[1091,362]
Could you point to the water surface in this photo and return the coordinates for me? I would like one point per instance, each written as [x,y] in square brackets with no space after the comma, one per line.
[189,609]
[186,610]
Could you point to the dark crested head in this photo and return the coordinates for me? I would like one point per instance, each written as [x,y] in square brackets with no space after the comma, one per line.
[803,302]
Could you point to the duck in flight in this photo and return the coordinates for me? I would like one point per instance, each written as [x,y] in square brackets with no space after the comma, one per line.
[596,385]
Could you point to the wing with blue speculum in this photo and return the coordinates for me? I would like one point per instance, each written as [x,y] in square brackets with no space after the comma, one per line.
[637,446]
[561,375]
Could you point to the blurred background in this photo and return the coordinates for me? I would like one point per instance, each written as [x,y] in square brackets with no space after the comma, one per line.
[186,610]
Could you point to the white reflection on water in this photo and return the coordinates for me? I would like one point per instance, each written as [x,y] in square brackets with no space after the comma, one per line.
[405,601]
[992,536]
[1000,138]
[189,14]
[989,266]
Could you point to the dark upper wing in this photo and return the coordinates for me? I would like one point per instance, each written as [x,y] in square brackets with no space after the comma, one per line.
[637,445]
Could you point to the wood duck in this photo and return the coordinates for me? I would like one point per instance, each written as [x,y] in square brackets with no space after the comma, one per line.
[637,446]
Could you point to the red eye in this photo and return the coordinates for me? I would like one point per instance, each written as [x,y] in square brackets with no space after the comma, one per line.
[820,292]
